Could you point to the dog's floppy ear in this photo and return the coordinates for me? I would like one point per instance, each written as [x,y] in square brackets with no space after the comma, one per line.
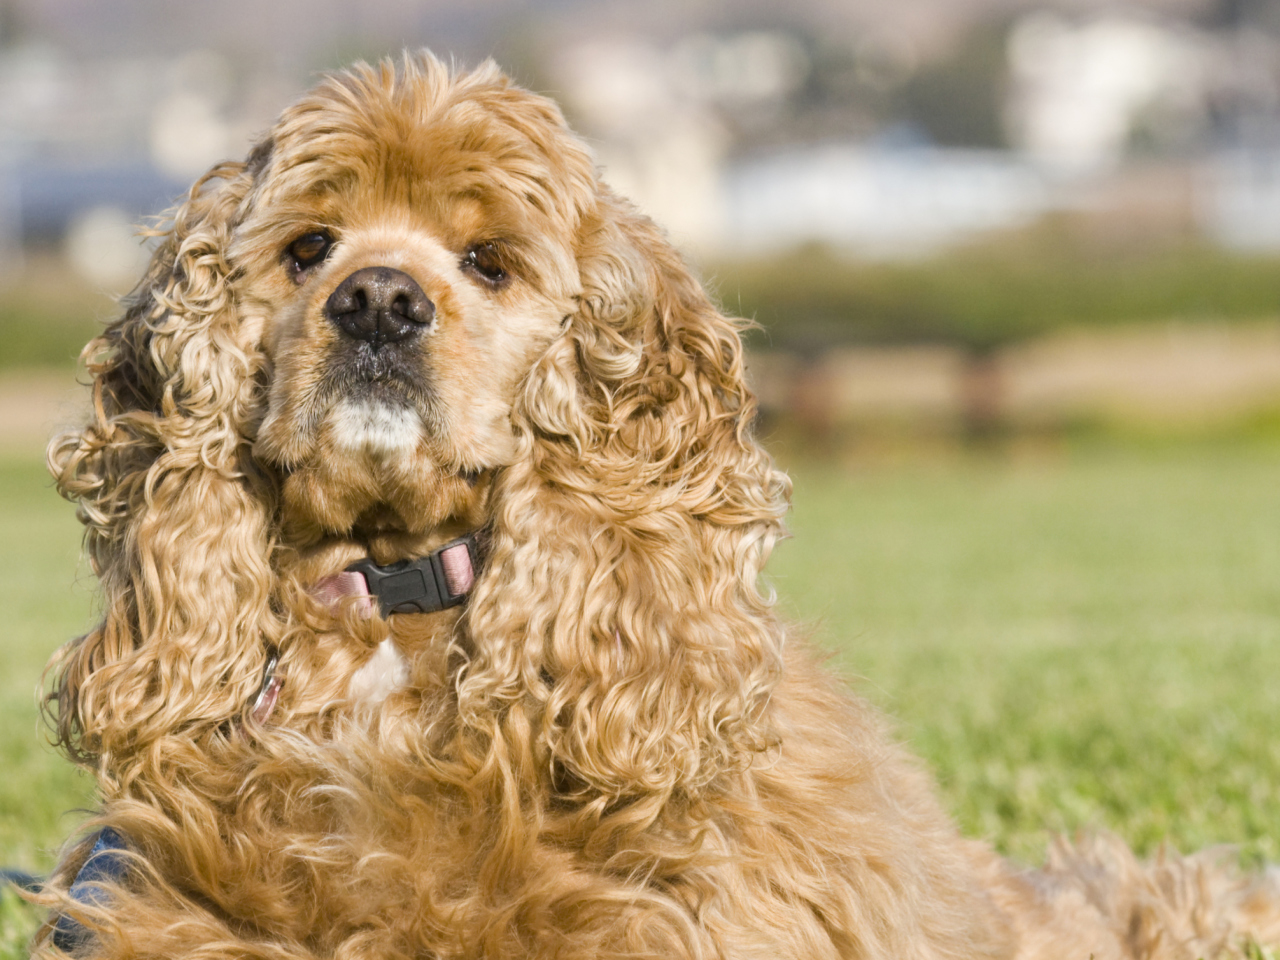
[176,520]
[622,595]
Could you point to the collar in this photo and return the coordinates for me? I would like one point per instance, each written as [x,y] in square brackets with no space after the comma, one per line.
[438,581]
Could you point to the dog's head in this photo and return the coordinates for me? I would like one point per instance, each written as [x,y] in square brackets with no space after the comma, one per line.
[412,312]
[408,249]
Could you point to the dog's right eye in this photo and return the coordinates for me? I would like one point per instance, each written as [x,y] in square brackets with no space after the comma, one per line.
[308,250]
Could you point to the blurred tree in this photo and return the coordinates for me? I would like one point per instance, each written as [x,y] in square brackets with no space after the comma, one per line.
[1003,289]
[1262,14]
[12,23]
[959,99]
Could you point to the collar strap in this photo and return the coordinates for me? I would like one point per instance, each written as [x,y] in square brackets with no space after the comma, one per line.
[440,580]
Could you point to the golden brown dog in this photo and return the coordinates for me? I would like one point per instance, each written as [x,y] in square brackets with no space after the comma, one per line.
[414,314]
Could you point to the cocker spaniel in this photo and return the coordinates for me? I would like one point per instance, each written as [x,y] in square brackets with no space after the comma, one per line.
[421,485]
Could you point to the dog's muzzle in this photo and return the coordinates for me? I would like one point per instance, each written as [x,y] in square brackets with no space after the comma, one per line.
[379,305]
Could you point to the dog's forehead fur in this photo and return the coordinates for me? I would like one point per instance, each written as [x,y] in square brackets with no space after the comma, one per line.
[467,157]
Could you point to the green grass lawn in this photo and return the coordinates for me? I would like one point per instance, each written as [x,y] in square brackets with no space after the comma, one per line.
[41,795]
[50,600]
[1087,639]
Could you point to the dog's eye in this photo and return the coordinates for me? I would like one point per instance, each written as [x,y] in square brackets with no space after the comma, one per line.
[485,261]
[309,250]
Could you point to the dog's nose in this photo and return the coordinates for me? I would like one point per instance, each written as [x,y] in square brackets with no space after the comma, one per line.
[379,305]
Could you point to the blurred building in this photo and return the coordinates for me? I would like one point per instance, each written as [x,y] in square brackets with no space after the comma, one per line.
[783,138]
[89,148]
[882,127]
[878,201]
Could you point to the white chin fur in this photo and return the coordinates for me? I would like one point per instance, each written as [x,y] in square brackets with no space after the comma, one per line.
[375,427]
[382,675]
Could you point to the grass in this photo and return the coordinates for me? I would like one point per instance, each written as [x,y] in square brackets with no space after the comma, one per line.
[49,602]
[18,921]
[1085,639]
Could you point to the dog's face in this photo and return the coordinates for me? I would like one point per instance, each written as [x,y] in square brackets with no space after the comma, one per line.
[412,312]
[403,261]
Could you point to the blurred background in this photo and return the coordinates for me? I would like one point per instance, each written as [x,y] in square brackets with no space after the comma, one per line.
[1015,267]
[951,217]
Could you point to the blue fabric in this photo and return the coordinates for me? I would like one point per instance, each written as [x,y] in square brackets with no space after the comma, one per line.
[106,863]
[21,879]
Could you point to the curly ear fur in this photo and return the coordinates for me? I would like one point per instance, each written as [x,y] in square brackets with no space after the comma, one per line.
[176,518]
[621,619]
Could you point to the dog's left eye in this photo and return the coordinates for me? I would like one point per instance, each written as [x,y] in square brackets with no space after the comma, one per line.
[309,250]
[485,260]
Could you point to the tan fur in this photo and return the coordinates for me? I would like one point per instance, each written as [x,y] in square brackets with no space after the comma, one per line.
[614,750]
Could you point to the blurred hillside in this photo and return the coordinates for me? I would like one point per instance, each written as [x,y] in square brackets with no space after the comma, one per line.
[879,180]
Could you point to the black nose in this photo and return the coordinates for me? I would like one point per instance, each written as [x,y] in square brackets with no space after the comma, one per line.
[379,305]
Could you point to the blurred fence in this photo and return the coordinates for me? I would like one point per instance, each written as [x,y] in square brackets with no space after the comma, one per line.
[1179,376]
[36,404]
[1163,376]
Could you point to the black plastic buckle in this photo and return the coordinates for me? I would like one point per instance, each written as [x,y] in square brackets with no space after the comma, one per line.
[415,586]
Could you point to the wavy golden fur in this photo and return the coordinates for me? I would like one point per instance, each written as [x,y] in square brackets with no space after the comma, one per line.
[613,749]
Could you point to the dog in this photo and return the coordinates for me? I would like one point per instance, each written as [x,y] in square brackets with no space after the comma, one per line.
[421,485]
